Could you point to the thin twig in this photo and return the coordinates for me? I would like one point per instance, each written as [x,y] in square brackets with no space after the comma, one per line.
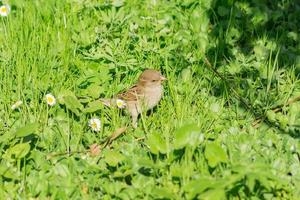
[247,105]
[261,118]
[289,102]
[276,109]
[114,136]
[107,142]
[140,138]
[51,155]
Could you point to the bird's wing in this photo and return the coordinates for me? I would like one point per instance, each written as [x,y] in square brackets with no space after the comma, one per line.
[107,102]
[132,94]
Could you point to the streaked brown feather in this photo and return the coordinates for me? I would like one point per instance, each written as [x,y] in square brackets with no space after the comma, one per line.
[132,94]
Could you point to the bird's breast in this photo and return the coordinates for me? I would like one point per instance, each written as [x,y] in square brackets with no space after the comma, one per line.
[153,96]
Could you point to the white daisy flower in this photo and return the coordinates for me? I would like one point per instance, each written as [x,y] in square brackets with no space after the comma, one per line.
[4,10]
[120,103]
[16,105]
[50,99]
[95,124]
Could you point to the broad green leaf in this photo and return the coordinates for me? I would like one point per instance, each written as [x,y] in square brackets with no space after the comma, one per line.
[145,162]
[250,182]
[216,194]
[8,136]
[128,193]
[186,74]
[215,107]
[93,106]
[259,17]
[177,170]
[186,135]
[293,35]
[72,101]
[85,100]
[294,112]
[61,115]
[27,130]
[197,186]
[19,150]
[112,157]
[113,187]
[156,143]
[119,174]
[94,91]
[203,184]
[162,193]
[282,119]
[8,171]
[143,182]
[271,115]
[215,154]
[64,93]
[61,170]
[118,3]
[73,104]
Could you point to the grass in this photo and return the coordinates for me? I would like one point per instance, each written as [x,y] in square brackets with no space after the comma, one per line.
[199,143]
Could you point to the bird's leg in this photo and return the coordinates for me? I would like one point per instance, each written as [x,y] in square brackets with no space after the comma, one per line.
[134,120]
[134,116]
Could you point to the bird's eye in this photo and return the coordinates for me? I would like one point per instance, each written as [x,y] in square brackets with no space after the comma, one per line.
[153,80]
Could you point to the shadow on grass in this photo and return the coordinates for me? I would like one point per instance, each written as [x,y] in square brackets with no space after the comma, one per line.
[256,42]
[257,28]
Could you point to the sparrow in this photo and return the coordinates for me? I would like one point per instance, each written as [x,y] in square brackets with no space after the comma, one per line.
[143,96]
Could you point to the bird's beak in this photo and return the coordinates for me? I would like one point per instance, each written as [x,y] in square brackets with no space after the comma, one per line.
[162,78]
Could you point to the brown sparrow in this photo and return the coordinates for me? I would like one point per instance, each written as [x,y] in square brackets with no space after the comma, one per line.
[141,97]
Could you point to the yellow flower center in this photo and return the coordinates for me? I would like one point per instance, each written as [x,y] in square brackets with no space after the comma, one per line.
[120,103]
[50,100]
[94,125]
[4,9]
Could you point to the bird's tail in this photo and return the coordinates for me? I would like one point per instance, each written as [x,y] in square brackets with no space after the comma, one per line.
[107,102]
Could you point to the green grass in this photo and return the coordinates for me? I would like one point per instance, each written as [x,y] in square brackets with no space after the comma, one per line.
[199,143]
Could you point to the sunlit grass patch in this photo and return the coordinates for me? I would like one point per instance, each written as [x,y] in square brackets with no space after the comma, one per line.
[59,58]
